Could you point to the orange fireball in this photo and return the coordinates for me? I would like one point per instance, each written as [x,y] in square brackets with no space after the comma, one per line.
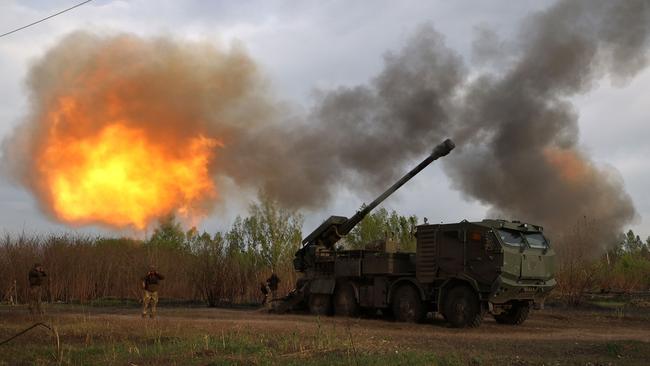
[124,130]
[119,175]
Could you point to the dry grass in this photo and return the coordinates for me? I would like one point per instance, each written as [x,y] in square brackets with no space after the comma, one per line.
[184,336]
[84,269]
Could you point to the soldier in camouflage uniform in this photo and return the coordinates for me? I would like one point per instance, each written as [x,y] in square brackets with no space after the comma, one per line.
[265,291]
[150,287]
[272,283]
[36,275]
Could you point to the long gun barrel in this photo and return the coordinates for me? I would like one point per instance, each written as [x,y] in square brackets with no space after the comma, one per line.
[335,227]
[441,150]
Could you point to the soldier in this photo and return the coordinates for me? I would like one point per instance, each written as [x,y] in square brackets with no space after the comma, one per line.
[10,295]
[265,291]
[150,287]
[36,275]
[273,282]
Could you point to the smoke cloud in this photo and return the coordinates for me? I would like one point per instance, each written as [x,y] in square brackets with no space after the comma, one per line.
[518,130]
[515,126]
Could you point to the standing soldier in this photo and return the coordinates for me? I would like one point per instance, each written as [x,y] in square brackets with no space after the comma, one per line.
[150,287]
[11,294]
[36,275]
[273,282]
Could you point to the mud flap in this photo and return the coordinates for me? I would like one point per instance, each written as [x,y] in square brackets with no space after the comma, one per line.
[287,303]
[290,302]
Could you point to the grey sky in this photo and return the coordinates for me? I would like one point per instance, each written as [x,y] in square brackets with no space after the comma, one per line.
[304,46]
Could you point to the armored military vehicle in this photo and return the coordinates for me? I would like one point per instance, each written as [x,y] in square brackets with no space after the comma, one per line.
[460,270]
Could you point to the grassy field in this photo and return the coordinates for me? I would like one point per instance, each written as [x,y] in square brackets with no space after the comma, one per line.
[198,336]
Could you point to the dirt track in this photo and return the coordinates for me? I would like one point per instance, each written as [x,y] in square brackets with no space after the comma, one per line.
[551,336]
[544,325]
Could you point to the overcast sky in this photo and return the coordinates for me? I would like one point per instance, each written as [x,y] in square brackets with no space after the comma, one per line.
[304,46]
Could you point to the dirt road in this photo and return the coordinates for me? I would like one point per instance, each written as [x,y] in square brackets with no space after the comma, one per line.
[549,337]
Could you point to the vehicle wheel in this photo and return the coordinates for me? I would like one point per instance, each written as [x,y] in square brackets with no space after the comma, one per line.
[345,301]
[462,308]
[516,315]
[320,304]
[407,305]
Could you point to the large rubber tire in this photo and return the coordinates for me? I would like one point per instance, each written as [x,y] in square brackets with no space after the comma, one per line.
[462,308]
[320,304]
[516,315]
[407,305]
[345,300]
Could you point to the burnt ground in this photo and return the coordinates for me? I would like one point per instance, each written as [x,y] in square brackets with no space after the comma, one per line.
[554,336]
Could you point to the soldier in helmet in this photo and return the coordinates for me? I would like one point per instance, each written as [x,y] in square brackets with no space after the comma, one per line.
[36,275]
[150,287]
[272,283]
[265,291]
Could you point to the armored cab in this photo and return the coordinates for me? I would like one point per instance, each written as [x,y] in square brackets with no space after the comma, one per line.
[505,267]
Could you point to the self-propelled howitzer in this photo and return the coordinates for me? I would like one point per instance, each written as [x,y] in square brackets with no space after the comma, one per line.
[335,227]
[460,270]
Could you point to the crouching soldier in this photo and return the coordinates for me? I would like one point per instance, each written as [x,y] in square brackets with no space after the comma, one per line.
[36,275]
[265,291]
[273,282]
[150,287]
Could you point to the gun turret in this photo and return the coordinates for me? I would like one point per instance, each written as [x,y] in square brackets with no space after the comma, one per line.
[335,227]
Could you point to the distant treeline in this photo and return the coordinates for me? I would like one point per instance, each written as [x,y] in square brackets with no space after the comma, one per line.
[227,267]
[584,266]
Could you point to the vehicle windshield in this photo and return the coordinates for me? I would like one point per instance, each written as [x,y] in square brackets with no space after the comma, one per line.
[511,237]
[536,240]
